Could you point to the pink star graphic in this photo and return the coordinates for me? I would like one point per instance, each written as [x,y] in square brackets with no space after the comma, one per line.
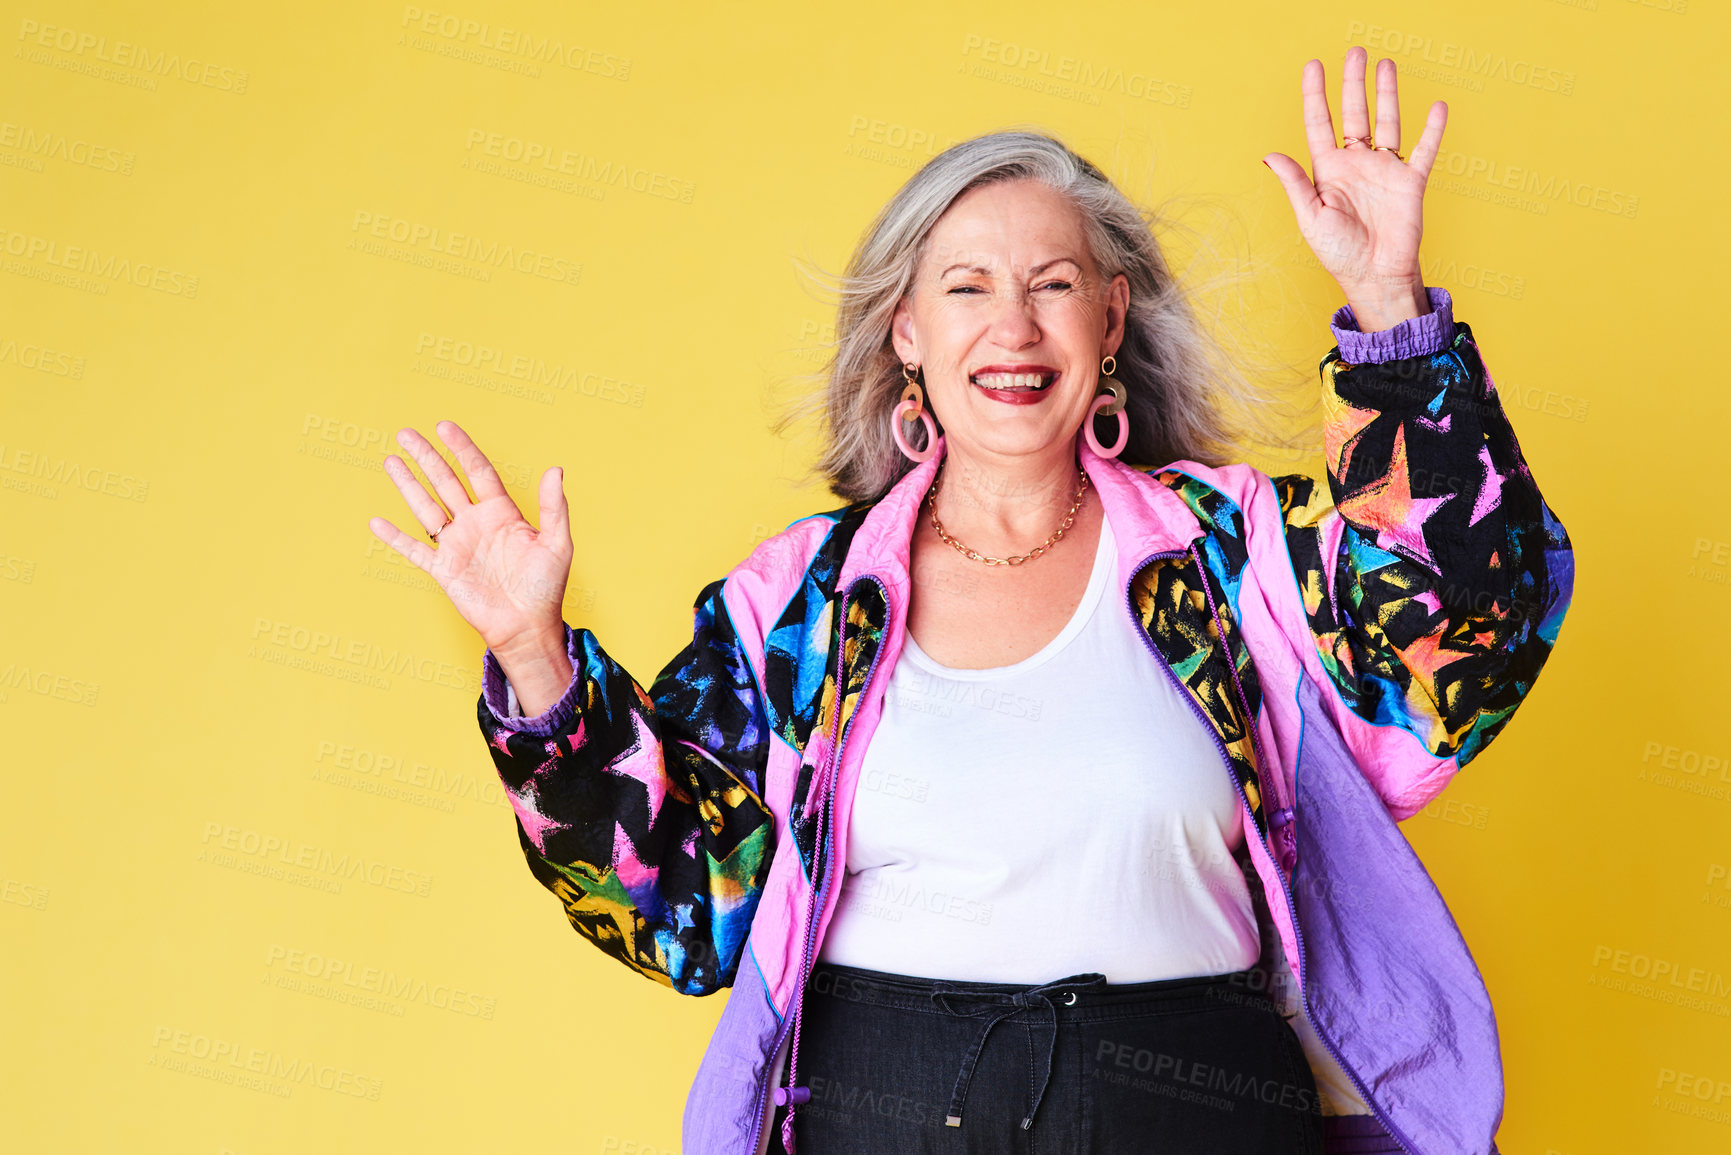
[535,824]
[1388,506]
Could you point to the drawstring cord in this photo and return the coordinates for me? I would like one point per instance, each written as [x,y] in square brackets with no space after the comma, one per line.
[1280,822]
[1001,1005]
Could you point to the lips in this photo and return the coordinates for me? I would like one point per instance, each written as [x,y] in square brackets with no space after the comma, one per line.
[1014,384]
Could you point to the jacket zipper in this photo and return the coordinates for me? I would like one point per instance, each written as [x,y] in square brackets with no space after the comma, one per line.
[1226,761]
[814,901]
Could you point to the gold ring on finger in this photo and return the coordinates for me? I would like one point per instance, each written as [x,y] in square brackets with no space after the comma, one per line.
[434,533]
[1389,148]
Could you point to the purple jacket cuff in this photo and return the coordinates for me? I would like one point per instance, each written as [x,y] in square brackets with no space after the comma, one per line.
[1414,337]
[502,700]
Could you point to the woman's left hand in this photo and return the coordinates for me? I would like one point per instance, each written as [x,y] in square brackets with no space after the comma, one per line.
[1364,213]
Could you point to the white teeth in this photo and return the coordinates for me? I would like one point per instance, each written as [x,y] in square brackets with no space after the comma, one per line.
[1010,380]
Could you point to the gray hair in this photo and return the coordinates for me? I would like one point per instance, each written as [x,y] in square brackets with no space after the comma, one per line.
[1178,381]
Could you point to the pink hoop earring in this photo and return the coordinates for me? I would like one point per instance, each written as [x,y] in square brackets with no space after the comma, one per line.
[912,405]
[1110,402]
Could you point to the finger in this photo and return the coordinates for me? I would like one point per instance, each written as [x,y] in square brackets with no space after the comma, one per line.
[437,469]
[555,523]
[1318,124]
[1387,105]
[418,552]
[1430,140]
[1296,182]
[483,478]
[428,512]
[1354,113]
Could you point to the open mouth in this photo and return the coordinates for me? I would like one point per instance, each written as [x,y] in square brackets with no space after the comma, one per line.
[1000,382]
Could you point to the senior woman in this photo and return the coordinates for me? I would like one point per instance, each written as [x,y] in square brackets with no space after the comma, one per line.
[1032,800]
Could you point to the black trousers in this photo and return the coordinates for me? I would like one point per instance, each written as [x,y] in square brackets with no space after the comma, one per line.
[898,1065]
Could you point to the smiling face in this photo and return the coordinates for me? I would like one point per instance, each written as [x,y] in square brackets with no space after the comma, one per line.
[1009,318]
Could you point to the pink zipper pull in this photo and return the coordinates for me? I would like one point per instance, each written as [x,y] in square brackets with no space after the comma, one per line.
[1285,838]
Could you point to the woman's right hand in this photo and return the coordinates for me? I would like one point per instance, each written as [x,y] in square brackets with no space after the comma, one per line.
[504,577]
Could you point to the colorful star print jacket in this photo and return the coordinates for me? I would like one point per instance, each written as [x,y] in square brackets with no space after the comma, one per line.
[1350,645]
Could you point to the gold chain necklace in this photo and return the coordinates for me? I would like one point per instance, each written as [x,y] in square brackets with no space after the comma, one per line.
[1018,559]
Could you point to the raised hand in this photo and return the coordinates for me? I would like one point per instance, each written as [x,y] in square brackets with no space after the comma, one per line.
[504,577]
[1362,215]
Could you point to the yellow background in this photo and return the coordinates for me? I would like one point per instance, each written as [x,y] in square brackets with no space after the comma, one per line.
[187,471]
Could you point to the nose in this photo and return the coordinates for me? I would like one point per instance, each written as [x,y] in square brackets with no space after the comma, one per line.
[1013,324]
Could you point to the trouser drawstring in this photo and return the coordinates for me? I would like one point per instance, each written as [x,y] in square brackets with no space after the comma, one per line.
[1001,1005]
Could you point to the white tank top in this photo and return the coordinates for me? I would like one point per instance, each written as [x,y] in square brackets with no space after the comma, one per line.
[1065,814]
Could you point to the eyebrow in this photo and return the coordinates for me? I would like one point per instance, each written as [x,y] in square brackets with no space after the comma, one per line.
[1033,272]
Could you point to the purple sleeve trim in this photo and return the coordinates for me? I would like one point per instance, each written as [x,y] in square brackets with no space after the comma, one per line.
[1413,337]
[501,699]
